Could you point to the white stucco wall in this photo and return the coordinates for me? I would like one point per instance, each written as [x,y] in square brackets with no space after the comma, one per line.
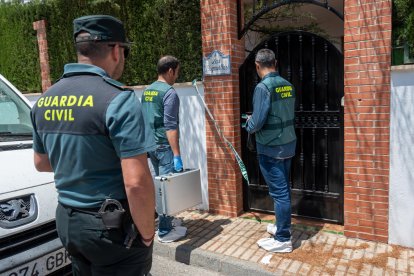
[192,132]
[401,199]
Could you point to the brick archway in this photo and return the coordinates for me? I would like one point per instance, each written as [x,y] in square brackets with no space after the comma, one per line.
[367,59]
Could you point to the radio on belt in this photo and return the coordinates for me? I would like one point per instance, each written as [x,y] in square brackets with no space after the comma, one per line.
[177,192]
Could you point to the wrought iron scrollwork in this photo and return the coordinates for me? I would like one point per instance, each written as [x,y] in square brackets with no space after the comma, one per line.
[261,7]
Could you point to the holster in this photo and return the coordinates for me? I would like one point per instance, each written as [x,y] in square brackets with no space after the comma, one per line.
[112,214]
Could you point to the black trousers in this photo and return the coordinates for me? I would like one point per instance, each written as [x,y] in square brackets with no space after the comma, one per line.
[94,250]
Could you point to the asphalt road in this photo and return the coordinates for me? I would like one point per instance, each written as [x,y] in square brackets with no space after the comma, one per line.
[166,267]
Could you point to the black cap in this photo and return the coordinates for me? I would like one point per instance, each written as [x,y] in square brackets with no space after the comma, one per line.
[100,28]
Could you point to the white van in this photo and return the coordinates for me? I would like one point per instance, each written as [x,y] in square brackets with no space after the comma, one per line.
[29,244]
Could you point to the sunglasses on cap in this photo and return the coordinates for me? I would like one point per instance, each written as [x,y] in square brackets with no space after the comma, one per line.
[126,47]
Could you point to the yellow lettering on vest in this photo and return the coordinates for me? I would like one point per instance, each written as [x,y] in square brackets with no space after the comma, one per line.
[88,101]
[47,101]
[47,115]
[286,95]
[40,102]
[59,114]
[283,89]
[55,101]
[70,116]
[150,93]
[148,99]
[72,101]
[63,100]
[80,100]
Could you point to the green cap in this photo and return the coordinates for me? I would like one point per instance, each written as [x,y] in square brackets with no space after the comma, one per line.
[100,28]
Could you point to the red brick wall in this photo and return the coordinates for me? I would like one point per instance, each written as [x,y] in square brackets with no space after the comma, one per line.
[367,49]
[219,32]
[40,27]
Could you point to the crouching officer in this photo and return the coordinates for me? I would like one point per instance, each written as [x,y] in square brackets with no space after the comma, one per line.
[90,132]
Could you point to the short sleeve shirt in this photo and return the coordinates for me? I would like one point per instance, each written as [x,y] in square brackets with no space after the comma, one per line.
[86,123]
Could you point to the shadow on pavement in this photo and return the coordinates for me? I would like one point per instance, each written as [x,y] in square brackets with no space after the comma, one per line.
[199,231]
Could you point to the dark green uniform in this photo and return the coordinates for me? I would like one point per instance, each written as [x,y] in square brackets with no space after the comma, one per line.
[86,123]
[278,128]
[153,109]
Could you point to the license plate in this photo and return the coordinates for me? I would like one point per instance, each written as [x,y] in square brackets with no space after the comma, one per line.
[41,266]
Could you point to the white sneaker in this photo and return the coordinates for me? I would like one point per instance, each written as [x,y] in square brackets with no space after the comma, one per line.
[176,222]
[272,245]
[271,229]
[175,234]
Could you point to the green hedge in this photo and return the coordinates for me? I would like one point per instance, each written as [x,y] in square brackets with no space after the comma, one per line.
[403,24]
[158,27]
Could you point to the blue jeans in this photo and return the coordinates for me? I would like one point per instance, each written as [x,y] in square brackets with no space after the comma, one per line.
[276,174]
[162,160]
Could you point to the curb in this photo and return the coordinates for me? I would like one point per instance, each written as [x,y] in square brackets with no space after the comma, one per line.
[194,256]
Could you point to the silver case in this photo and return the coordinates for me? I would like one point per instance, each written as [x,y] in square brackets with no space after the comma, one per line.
[177,192]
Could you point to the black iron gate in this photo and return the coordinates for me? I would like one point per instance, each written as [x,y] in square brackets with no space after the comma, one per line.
[315,67]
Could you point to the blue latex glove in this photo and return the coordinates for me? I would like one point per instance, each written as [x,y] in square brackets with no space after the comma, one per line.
[178,164]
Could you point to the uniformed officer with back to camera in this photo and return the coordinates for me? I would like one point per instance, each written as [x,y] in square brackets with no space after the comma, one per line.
[90,132]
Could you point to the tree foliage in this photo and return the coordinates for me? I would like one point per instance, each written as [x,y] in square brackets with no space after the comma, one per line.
[157,27]
[403,23]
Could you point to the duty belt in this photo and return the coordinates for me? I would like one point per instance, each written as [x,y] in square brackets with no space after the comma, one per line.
[278,125]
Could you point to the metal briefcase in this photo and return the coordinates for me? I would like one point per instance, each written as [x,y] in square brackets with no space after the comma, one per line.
[177,192]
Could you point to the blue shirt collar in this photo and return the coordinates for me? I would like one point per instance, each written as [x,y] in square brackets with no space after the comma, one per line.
[82,68]
[271,74]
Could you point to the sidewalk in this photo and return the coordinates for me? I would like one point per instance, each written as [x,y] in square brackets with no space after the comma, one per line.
[228,246]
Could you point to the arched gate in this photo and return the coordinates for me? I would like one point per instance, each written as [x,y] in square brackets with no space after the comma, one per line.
[315,67]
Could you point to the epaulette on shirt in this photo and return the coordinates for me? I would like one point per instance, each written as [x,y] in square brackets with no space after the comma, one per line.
[117,84]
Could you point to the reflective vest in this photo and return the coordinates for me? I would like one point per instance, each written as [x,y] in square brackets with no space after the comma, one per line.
[279,128]
[153,109]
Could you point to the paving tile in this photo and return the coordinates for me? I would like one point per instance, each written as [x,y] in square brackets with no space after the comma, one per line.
[366,269]
[377,271]
[357,254]
[390,273]
[305,269]
[229,251]
[241,241]
[352,270]
[247,254]
[402,265]
[411,265]
[327,248]
[284,264]
[316,271]
[341,268]
[294,267]
[274,261]
[332,239]
[238,239]
[369,255]
[391,263]
[350,242]
[341,241]
[239,252]
[347,253]
[258,255]
[207,244]
[381,248]
[322,239]
[215,246]
[337,252]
